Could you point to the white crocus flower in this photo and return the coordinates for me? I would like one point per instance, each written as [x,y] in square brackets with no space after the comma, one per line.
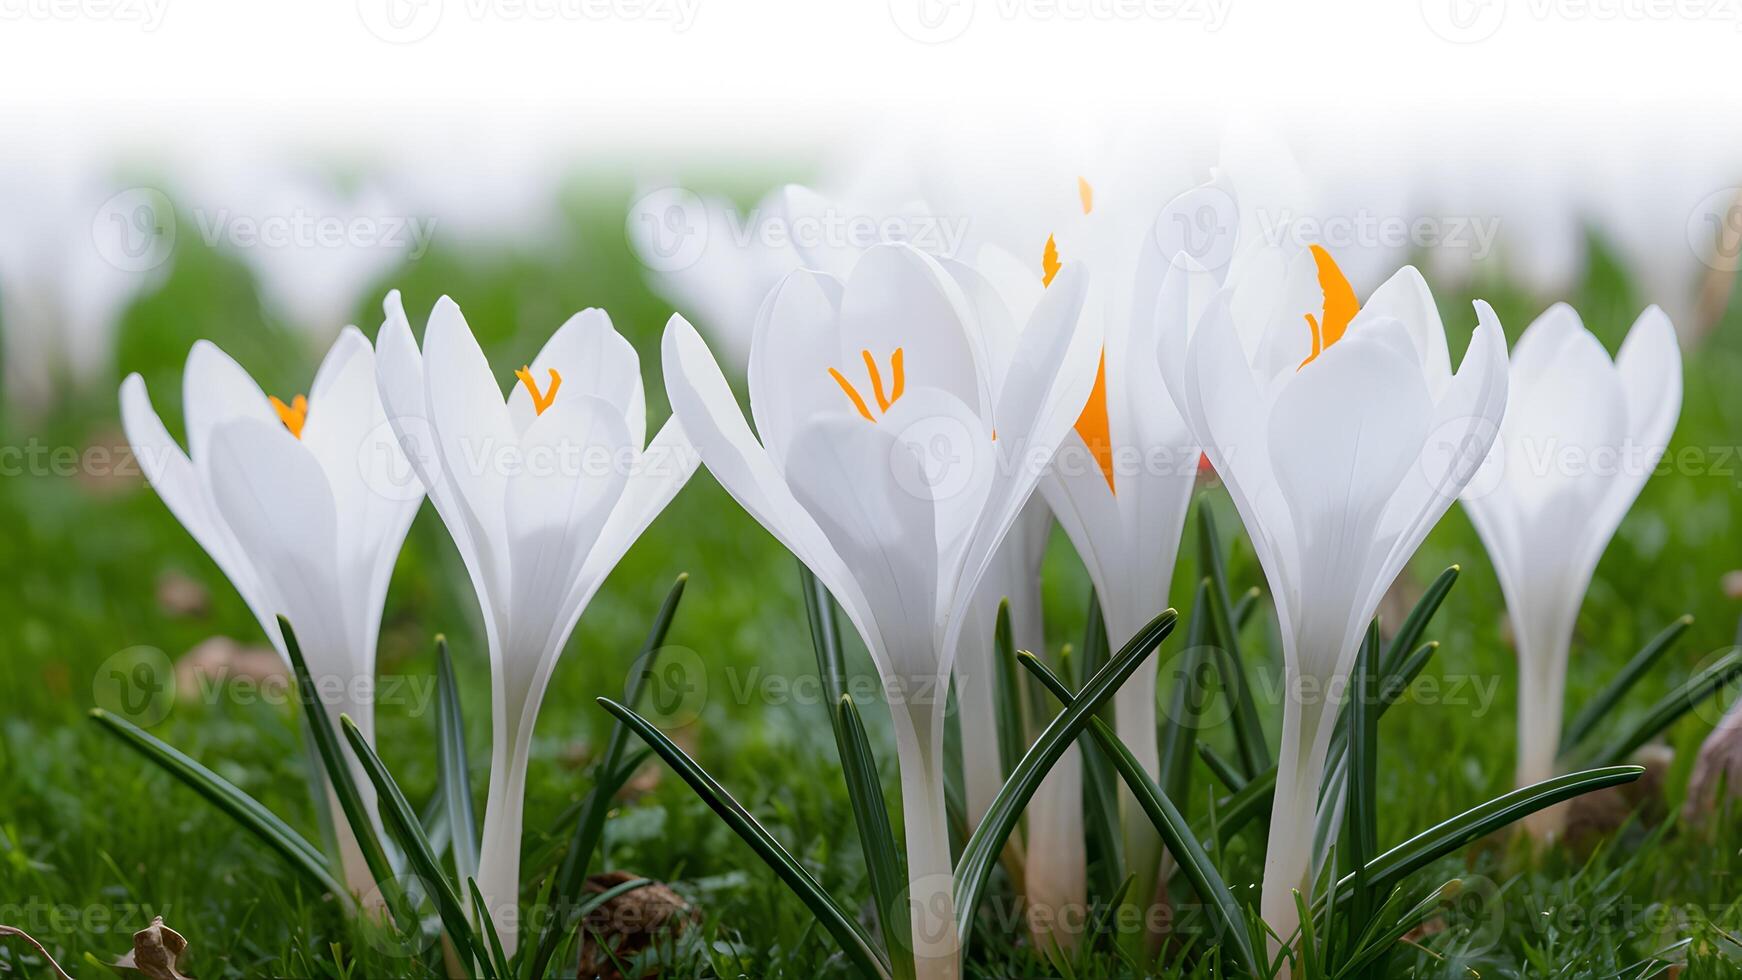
[1342,438]
[1582,433]
[299,506]
[1122,482]
[542,492]
[889,462]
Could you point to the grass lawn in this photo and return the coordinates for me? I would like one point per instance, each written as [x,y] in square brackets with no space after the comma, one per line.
[93,841]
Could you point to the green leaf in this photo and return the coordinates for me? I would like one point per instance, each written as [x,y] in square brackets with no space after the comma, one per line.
[1219,905]
[839,923]
[226,796]
[974,866]
[609,776]
[1598,708]
[1361,839]
[1221,768]
[453,770]
[1248,732]
[876,837]
[1179,727]
[870,807]
[498,957]
[1409,632]
[1100,786]
[1011,736]
[1373,946]
[1670,710]
[1389,869]
[402,825]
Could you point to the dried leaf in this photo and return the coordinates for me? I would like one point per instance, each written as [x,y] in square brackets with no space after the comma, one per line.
[615,932]
[156,953]
[27,937]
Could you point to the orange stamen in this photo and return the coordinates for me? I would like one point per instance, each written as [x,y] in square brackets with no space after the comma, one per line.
[898,369]
[1092,425]
[1049,262]
[853,394]
[1340,305]
[540,400]
[294,415]
[1086,194]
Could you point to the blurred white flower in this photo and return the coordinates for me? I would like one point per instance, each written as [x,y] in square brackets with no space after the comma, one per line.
[1342,440]
[543,493]
[890,459]
[1582,434]
[298,505]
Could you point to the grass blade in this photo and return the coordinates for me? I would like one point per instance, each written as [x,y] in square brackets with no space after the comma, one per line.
[609,776]
[339,776]
[853,940]
[1011,736]
[402,825]
[1179,731]
[1598,708]
[1219,904]
[1223,634]
[1389,869]
[974,866]
[1415,624]
[1373,949]
[226,796]
[1670,710]
[1221,768]
[454,772]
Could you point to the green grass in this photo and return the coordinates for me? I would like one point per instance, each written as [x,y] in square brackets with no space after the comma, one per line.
[92,843]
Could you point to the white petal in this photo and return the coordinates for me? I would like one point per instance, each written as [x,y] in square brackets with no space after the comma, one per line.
[659,474]
[473,434]
[1406,297]
[898,297]
[593,360]
[216,390]
[797,343]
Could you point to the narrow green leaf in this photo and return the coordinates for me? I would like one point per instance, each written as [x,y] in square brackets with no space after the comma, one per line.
[1389,869]
[1670,710]
[1100,785]
[974,866]
[1248,732]
[1375,946]
[1221,768]
[1361,839]
[402,825]
[498,957]
[344,786]
[1011,736]
[839,923]
[1245,606]
[226,796]
[870,807]
[1219,904]
[612,771]
[1598,708]
[1409,632]
[1179,726]
[876,837]
[453,769]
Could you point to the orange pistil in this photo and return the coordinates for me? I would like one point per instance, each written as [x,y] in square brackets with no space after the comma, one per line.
[1049,262]
[294,415]
[1340,305]
[540,400]
[898,370]
[1092,425]
[1086,194]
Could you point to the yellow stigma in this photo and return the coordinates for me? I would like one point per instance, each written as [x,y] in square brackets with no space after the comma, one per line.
[1092,424]
[1049,262]
[540,401]
[294,415]
[897,369]
[1086,194]
[1340,305]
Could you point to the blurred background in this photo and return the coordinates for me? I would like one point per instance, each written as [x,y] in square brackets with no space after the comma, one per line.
[261,174]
